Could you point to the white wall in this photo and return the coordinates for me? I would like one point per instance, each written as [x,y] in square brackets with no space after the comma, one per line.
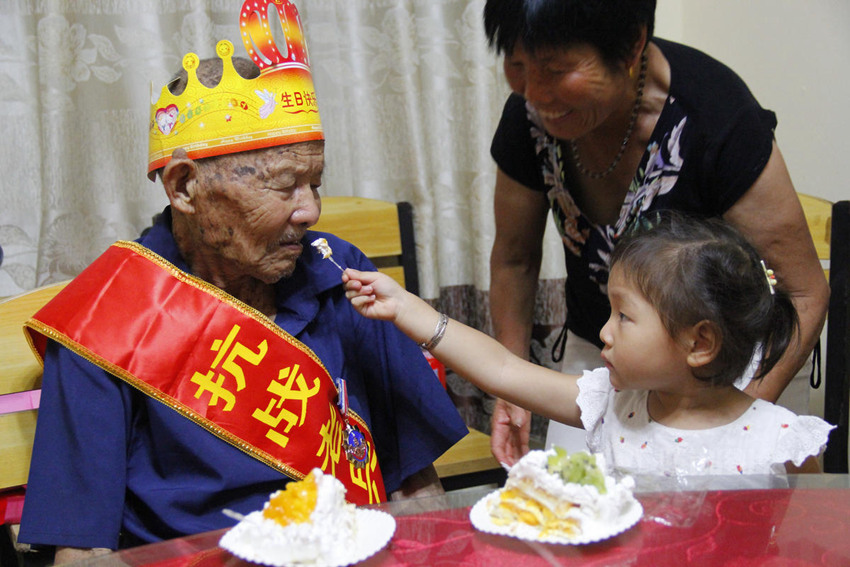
[794,55]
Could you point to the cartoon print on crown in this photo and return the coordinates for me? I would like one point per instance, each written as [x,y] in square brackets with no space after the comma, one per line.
[276,108]
[166,118]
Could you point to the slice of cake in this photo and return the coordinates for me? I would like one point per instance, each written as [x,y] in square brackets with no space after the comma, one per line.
[553,496]
[307,522]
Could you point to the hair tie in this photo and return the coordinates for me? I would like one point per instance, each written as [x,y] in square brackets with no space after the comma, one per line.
[771,277]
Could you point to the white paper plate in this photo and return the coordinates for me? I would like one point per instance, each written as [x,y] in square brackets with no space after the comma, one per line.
[480,518]
[374,530]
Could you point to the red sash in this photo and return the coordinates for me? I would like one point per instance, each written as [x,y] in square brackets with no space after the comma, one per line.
[211,358]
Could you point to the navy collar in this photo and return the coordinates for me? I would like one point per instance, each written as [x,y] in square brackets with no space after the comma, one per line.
[296,297]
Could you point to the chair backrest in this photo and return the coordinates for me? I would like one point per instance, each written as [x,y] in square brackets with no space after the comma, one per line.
[20,382]
[837,375]
[819,218]
[381,229]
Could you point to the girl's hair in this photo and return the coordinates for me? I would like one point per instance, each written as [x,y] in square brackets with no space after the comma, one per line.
[612,26]
[693,269]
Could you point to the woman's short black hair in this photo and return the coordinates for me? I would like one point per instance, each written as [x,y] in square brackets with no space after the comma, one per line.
[612,26]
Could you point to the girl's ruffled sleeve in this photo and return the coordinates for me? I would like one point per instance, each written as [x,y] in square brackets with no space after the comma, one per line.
[801,437]
[594,390]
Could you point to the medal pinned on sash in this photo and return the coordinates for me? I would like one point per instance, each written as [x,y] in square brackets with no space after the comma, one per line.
[353,441]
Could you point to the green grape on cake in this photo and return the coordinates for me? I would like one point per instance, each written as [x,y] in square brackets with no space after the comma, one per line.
[555,497]
[578,468]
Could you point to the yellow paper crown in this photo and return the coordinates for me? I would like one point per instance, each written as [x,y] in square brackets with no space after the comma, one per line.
[277,108]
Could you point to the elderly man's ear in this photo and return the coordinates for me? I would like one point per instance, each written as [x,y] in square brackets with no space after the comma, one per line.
[180,178]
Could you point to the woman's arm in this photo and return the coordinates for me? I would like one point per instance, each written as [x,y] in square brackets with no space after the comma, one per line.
[769,214]
[514,271]
[515,261]
[471,354]
[809,466]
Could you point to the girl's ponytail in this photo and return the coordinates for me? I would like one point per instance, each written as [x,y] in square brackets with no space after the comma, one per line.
[781,331]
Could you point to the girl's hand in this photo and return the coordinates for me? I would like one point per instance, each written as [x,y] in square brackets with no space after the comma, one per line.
[373,294]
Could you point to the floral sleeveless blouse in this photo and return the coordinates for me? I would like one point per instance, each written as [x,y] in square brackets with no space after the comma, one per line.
[711,142]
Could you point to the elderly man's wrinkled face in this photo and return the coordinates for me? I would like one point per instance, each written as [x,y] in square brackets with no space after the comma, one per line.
[252,208]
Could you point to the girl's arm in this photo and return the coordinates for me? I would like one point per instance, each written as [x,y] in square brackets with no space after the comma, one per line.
[473,355]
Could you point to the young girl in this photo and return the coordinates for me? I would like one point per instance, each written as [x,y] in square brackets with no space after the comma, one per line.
[691,304]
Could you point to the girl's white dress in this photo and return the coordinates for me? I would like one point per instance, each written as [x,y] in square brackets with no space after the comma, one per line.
[759,442]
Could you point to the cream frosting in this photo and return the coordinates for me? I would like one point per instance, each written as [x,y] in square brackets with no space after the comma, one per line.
[326,539]
[536,503]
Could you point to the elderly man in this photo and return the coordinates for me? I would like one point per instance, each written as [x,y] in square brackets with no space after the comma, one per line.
[205,365]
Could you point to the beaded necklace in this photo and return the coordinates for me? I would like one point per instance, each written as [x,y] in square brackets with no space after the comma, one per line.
[632,121]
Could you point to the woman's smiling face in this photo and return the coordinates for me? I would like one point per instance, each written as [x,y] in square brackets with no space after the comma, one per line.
[572,88]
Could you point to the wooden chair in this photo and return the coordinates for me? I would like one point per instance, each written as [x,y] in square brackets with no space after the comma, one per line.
[384,232]
[819,218]
[829,224]
[20,378]
[837,374]
[20,384]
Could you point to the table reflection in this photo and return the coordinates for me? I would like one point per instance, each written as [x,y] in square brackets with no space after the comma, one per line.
[746,520]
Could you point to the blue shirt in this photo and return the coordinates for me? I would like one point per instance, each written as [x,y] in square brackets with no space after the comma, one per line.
[109,461]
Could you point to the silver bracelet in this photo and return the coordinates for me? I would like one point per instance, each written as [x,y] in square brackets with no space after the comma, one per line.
[439,331]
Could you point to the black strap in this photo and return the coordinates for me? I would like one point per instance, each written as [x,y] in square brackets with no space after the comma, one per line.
[560,344]
[815,379]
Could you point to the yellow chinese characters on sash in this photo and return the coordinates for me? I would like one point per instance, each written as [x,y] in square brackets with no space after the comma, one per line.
[211,358]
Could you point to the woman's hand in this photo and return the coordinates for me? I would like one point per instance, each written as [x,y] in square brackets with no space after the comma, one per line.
[373,294]
[509,432]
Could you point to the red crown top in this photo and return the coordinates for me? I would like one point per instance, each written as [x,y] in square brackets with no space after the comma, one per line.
[257,35]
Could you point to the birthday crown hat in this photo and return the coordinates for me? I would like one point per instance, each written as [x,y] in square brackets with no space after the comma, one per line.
[276,108]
